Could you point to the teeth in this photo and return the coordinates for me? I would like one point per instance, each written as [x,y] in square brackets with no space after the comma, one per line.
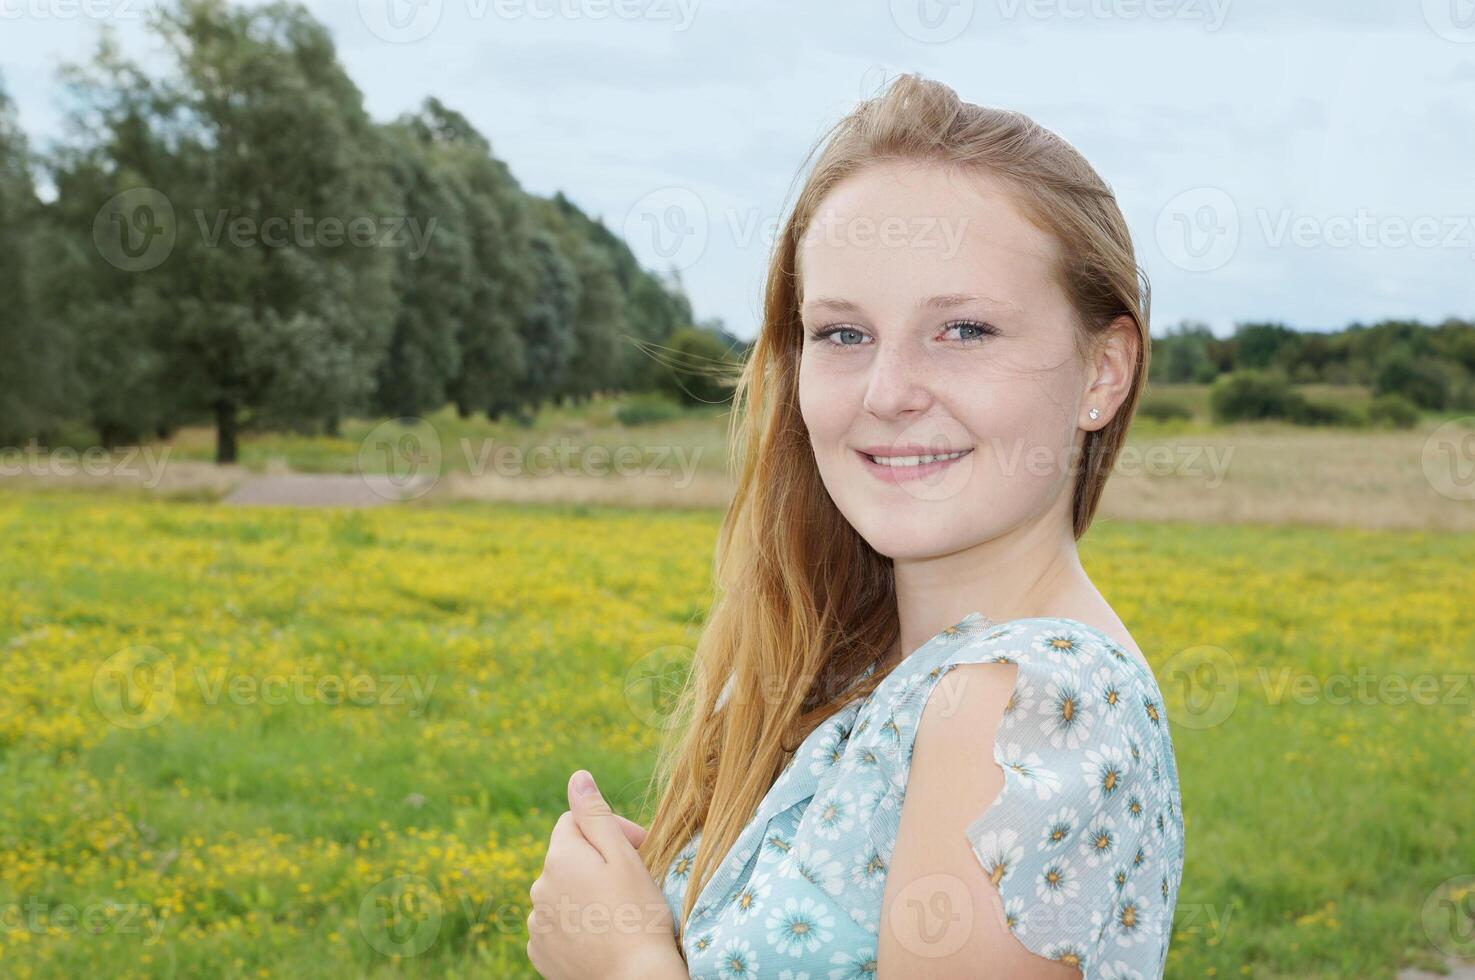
[914,460]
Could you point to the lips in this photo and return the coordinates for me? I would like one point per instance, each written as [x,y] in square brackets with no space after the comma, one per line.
[901,462]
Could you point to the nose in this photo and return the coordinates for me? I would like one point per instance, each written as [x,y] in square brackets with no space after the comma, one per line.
[898,383]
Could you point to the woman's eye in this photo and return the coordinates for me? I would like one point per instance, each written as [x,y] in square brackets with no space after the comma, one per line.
[971,331]
[846,336]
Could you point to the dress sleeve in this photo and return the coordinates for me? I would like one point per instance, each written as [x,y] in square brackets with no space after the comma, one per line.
[1081,842]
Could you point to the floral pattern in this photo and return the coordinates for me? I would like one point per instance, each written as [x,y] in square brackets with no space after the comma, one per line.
[1090,818]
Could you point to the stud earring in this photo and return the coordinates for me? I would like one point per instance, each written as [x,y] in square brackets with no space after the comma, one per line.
[1095,413]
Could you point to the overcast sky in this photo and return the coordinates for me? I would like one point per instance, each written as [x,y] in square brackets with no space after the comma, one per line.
[1308,162]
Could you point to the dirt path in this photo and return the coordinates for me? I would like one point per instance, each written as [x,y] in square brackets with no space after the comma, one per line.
[318,490]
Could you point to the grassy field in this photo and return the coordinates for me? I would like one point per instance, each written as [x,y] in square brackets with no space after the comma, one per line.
[285,743]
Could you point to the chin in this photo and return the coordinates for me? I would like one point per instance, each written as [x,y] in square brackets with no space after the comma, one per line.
[921,532]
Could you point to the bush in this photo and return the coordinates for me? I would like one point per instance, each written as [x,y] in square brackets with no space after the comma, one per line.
[645,408]
[1306,412]
[1423,380]
[1164,410]
[1393,410]
[1250,395]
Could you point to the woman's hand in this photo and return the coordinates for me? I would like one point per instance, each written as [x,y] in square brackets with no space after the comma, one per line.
[596,910]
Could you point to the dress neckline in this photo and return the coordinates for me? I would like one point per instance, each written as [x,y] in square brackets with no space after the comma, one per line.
[979,620]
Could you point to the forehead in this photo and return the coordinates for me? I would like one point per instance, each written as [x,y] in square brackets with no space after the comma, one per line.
[907,229]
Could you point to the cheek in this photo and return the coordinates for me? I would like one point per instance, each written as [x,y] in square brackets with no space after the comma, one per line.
[822,404]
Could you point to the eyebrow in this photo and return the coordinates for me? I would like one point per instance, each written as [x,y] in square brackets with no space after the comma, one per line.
[943,302]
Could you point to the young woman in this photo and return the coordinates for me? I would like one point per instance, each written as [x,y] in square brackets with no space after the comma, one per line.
[917,741]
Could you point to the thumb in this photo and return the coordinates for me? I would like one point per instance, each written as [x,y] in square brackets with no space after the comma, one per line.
[596,820]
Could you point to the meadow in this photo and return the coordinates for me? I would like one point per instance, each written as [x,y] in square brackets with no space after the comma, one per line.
[248,742]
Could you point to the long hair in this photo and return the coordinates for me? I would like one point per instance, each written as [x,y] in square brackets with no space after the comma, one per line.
[802,604]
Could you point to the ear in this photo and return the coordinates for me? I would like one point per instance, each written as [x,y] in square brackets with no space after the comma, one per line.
[1110,374]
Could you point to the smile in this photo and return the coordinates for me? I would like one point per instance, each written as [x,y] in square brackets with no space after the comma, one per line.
[898,468]
[915,460]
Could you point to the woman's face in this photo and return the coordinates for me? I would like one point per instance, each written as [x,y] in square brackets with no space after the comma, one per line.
[945,333]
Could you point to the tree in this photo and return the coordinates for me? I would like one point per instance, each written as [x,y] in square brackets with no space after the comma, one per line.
[1263,345]
[1182,355]
[493,356]
[29,396]
[274,304]
[434,286]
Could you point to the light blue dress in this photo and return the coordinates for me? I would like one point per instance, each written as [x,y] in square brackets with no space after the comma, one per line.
[1085,842]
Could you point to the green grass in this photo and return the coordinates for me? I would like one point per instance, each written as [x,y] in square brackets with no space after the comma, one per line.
[254,834]
[462,445]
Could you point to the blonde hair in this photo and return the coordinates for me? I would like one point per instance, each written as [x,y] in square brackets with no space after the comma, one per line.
[803,605]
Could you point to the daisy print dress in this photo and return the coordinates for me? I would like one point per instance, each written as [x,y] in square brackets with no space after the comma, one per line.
[1085,841]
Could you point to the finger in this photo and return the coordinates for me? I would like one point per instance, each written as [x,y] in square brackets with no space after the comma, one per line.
[567,838]
[634,833]
[595,819]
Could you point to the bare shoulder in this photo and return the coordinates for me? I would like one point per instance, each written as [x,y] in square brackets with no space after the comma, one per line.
[933,865]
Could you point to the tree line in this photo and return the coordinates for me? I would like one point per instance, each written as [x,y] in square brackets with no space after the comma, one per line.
[1430,366]
[232,239]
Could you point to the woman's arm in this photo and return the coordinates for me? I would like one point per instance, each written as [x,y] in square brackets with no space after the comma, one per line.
[654,964]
